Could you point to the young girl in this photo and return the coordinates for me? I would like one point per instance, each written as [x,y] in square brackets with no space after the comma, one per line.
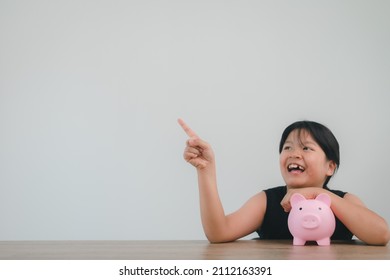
[309,156]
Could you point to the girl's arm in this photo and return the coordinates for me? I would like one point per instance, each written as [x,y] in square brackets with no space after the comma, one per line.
[217,226]
[361,221]
[365,224]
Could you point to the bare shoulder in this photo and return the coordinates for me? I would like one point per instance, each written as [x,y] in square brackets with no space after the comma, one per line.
[250,216]
[353,198]
[258,201]
[260,197]
[253,207]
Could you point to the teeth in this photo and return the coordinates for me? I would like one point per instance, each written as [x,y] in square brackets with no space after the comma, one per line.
[295,166]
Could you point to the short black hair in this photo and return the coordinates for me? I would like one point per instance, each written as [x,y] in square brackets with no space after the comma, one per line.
[321,134]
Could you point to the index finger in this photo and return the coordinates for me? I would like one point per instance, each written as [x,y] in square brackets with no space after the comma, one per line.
[187,129]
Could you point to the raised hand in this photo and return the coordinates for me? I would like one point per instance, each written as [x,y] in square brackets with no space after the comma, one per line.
[197,152]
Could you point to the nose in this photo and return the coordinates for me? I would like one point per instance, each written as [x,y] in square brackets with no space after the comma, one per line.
[295,154]
[310,221]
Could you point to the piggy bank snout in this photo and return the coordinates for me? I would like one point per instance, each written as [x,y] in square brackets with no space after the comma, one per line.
[310,221]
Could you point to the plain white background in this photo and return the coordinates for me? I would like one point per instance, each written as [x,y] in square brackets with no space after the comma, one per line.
[90,92]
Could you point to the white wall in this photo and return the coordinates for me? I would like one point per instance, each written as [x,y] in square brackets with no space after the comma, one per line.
[90,92]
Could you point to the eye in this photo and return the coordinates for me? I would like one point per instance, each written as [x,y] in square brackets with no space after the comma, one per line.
[300,208]
[308,148]
[319,208]
[286,148]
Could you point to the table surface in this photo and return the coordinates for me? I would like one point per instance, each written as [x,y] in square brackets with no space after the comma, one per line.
[188,250]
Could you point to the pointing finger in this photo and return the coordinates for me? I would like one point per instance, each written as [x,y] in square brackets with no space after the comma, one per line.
[187,129]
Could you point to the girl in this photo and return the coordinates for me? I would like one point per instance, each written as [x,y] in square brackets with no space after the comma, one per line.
[309,156]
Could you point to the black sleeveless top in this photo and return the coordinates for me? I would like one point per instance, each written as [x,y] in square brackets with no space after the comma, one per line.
[275,226]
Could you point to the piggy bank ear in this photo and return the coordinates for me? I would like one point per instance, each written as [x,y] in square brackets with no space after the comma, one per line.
[324,198]
[295,198]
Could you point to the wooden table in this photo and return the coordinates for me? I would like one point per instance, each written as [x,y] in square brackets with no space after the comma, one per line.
[187,250]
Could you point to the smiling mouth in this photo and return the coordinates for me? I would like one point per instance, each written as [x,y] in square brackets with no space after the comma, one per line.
[295,168]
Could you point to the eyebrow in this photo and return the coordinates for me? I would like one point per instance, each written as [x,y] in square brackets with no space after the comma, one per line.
[302,142]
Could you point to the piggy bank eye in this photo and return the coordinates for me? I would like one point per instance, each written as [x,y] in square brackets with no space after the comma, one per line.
[300,208]
[319,208]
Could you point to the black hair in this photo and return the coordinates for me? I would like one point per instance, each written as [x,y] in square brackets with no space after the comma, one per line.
[321,134]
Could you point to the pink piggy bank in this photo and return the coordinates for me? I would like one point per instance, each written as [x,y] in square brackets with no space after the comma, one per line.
[311,219]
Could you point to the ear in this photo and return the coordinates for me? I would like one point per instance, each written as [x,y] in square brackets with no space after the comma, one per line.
[295,198]
[325,198]
[331,168]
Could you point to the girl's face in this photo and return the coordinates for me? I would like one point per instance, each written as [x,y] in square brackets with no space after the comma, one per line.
[303,163]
